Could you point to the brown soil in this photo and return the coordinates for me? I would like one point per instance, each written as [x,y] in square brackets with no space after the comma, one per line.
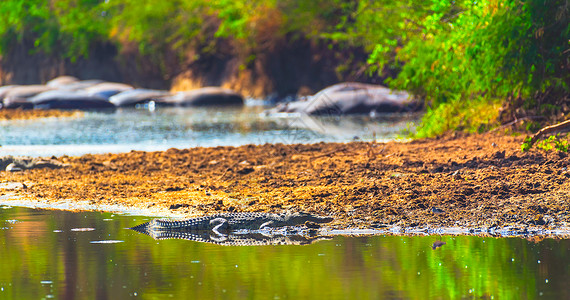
[477,181]
[19,114]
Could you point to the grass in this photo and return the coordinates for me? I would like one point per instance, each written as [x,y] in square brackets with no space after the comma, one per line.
[472,116]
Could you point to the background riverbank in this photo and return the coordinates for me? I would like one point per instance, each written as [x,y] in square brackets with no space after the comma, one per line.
[21,114]
[476,65]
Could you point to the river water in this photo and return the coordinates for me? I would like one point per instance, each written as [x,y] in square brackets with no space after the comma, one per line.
[88,255]
[163,128]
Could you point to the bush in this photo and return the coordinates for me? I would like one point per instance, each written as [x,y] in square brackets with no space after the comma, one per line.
[462,51]
[67,27]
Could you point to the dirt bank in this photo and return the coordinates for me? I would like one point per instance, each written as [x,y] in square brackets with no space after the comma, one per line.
[20,114]
[478,181]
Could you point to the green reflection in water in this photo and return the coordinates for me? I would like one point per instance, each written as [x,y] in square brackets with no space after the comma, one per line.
[38,262]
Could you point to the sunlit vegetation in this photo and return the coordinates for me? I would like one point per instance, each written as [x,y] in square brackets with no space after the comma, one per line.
[459,56]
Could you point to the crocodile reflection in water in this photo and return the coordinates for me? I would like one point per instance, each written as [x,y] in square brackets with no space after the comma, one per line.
[258,238]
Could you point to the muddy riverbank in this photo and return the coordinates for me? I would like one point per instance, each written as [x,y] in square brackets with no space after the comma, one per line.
[21,114]
[468,182]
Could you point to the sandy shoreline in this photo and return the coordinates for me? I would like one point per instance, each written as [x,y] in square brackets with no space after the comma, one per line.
[23,114]
[531,232]
[468,182]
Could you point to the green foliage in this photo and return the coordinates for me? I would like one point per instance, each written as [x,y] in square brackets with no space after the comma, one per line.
[255,24]
[526,145]
[532,126]
[81,23]
[453,51]
[71,27]
[457,115]
[550,143]
[20,18]
[155,26]
[235,16]
[66,27]
[383,27]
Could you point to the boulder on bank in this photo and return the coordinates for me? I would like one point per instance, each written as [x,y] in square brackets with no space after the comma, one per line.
[3,91]
[351,98]
[204,97]
[108,89]
[61,81]
[14,164]
[137,96]
[18,97]
[67,99]
[80,85]
[26,91]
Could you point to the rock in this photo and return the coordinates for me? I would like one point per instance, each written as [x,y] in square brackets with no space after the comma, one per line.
[312,225]
[178,205]
[18,97]
[204,97]
[12,186]
[69,99]
[13,167]
[26,91]
[108,89]
[14,164]
[137,96]
[290,107]
[436,210]
[3,91]
[80,85]
[245,171]
[437,244]
[352,98]
[61,81]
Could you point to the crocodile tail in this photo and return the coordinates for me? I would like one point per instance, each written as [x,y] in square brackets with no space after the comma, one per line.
[142,227]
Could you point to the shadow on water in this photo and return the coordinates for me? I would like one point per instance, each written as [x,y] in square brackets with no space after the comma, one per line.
[93,255]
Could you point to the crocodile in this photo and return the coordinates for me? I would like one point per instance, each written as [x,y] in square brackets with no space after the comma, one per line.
[228,222]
